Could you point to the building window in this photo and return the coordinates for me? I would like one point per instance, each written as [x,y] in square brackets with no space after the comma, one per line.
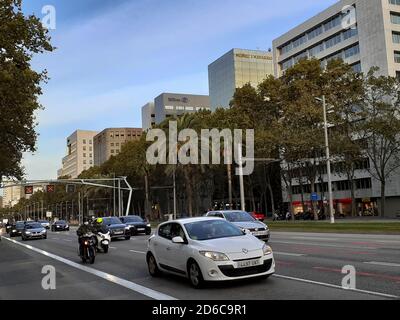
[315,32]
[357,67]
[169,108]
[333,23]
[84,161]
[117,144]
[398,75]
[396,37]
[112,151]
[90,149]
[317,49]
[84,141]
[352,51]
[350,33]
[91,162]
[84,155]
[287,64]
[84,148]
[90,141]
[333,41]
[364,183]
[397,56]
[112,144]
[395,18]
[90,155]
[343,185]
[395,2]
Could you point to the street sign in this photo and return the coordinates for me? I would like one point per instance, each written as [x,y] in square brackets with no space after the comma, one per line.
[50,188]
[70,188]
[314,196]
[29,190]
[49,214]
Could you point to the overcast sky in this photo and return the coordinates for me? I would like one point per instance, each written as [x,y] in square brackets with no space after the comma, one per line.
[114,56]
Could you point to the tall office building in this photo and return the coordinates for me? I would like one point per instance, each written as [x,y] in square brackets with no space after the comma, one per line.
[148,116]
[80,153]
[110,141]
[364,33]
[366,36]
[169,105]
[233,70]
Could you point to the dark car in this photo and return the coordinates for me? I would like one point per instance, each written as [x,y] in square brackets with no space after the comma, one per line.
[16,230]
[116,228]
[33,230]
[137,225]
[60,225]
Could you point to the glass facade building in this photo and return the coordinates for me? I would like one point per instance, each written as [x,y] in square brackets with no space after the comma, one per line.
[233,70]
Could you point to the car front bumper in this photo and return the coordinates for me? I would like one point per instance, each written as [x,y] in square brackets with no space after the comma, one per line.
[229,270]
[35,236]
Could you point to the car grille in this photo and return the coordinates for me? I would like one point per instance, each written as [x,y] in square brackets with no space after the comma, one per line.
[257,229]
[231,272]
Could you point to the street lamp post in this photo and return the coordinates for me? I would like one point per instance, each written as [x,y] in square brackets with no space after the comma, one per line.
[328,160]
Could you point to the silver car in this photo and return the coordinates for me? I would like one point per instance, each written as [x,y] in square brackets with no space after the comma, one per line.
[245,221]
[33,230]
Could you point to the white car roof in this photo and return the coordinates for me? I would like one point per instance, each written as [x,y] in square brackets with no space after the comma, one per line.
[191,220]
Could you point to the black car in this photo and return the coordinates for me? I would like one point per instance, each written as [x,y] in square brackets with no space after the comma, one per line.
[116,228]
[137,225]
[16,229]
[60,225]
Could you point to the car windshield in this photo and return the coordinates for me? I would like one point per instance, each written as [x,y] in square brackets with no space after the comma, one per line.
[43,221]
[212,229]
[19,225]
[33,226]
[238,216]
[61,222]
[133,219]
[112,220]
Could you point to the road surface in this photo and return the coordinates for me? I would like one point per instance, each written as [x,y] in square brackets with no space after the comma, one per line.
[309,267]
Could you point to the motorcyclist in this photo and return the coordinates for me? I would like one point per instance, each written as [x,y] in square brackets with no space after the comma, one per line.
[85,228]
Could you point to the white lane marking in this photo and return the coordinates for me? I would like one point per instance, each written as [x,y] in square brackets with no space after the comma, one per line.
[289,254]
[386,264]
[55,238]
[67,240]
[324,245]
[134,251]
[109,277]
[337,287]
[313,238]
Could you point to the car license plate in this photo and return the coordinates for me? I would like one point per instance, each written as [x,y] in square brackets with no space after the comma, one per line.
[118,232]
[260,233]
[141,229]
[248,263]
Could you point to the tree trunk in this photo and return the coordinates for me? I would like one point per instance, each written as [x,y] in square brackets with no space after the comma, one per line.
[272,199]
[189,190]
[229,172]
[383,198]
[353,198]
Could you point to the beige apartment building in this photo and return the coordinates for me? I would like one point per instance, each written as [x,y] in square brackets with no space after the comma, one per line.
[110,141]
[80,154]
[11,194]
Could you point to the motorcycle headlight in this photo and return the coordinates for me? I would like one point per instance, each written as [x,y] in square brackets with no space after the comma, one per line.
[14,230]
[215,256]
[267,250]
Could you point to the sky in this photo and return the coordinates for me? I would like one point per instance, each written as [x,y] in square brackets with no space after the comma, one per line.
[114,56]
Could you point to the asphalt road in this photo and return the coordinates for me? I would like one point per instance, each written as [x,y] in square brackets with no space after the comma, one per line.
[309,266]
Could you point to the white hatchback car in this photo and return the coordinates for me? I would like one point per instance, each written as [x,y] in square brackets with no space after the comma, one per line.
[208,249]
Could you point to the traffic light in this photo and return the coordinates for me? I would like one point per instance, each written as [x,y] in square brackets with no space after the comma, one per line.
[50,188]
[28,189]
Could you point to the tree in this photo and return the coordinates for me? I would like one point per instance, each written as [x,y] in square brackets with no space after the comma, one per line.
[380,128]
[20,38]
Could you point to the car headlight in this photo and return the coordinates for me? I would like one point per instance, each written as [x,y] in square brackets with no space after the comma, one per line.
[43,231]
[267,250]
[216,256]
[127,228]
[149,225]
[28,232]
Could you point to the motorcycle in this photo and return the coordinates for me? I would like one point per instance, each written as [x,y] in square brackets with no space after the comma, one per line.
[88,251]
[103,241]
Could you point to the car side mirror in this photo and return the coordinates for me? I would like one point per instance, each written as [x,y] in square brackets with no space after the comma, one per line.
[178,240]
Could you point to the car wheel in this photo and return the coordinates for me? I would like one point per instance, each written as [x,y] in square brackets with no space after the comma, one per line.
[45,237]
[128,238]
[105,249]
[195,276]
[152,266]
